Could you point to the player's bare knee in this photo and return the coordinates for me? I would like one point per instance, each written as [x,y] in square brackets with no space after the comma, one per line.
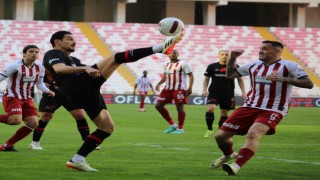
[224,113]
[79,116]
[14,120]
[210,109]
[219,137]
[32,124]
[46,117]
[252,135]
[107,129]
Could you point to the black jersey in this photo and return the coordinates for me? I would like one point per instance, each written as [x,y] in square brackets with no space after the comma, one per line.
[63,81]
[220,84]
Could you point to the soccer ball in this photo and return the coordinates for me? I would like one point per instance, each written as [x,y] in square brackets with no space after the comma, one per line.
[170,26]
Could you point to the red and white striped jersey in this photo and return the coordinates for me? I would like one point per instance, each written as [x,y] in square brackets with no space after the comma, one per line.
[266,94]
[21,78]
[143,83]
[176,75]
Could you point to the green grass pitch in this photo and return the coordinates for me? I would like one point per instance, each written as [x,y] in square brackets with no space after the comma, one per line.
[139,150]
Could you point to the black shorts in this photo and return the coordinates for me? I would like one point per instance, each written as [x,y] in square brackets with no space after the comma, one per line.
[84,91]
[51,104]
[227,103]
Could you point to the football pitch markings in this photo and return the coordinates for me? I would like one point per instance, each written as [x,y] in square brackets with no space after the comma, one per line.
[194,150]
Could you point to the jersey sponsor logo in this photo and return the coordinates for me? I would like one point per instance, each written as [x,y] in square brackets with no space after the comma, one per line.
[54,59]
[161,99]
[220,75]
[262,80]
[29,79]
[229,125]
[16,110]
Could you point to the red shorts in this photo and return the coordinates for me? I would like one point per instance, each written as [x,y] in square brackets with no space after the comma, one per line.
[16,106]
[178,96]
[244,117]
[143,93]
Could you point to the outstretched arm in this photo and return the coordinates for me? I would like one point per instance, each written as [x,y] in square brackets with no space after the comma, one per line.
[61,68]
[303,82]
[40,85]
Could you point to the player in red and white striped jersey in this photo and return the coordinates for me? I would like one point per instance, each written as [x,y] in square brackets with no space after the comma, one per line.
[143,83]
[17,100]
[272,79]
[176,73]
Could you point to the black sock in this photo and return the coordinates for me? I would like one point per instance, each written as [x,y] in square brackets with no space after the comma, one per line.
[83,128]
[133,55]
[37,133]
[209,120]
[222,120]
[92,141]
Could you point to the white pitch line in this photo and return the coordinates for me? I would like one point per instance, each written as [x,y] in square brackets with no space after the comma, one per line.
[193,150]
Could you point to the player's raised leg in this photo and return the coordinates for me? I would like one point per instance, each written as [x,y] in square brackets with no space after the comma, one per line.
[111,63]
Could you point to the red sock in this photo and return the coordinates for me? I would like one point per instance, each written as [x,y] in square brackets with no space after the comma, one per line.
[20,134]
[165,114]
[227,150]
[141,104]
[181,118]
[3,118]
[243,156]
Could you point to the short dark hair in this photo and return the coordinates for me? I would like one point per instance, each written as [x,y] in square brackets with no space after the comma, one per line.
[58,35]
[274,43]
[27,47]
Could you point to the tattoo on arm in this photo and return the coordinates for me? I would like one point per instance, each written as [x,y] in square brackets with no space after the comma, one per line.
[304,82]
[231,68]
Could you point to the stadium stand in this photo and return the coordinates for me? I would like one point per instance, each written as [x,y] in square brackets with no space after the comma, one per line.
[199,47]
[15,35]
[304,43]
[208,40]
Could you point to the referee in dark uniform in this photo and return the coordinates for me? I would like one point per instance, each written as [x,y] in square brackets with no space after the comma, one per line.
[221,91]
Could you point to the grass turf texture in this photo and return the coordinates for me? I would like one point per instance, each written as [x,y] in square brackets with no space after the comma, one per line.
[139,150]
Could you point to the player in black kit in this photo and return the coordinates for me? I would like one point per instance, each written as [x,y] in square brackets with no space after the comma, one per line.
[81,85]
[221,91]
[48,105]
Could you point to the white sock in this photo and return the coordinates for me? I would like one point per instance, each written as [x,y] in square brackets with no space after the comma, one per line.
[35,142]
[77,158]
[237,166]
[157,48]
